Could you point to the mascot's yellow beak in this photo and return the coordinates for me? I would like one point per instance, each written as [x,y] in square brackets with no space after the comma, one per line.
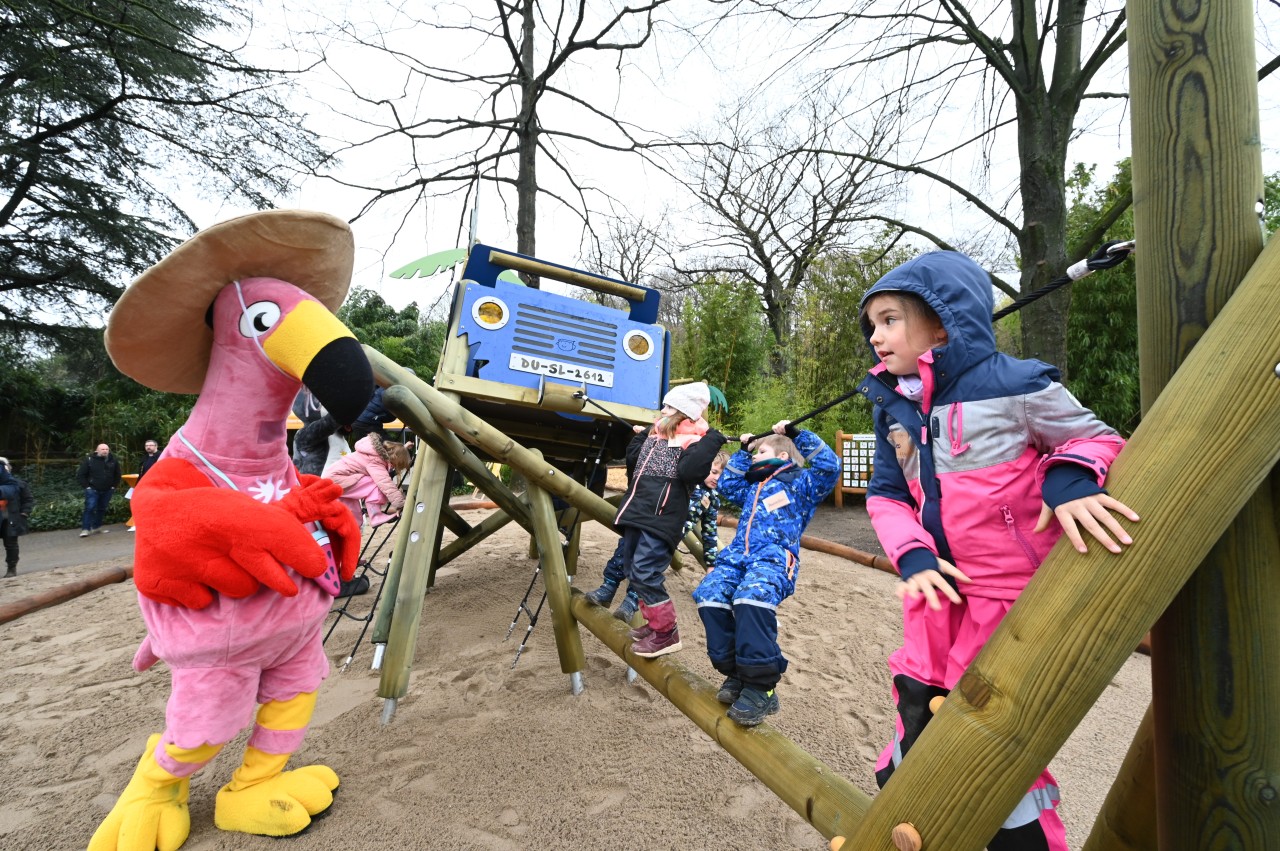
[313,346]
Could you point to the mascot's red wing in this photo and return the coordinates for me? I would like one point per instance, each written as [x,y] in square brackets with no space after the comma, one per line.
[197,539]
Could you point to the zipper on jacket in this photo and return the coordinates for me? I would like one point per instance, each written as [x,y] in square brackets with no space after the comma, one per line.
[662,503]
[636,479]
[1016,534]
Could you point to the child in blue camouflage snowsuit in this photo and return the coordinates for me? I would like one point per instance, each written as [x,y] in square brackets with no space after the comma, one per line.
[704,507]
[704,511]
[738,601]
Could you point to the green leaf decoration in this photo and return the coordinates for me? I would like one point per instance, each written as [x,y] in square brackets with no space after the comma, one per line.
[432,264]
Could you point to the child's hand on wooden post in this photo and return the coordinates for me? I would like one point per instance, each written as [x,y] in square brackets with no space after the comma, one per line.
[1093,513]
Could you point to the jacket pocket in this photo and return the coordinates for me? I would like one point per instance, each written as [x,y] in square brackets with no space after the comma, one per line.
[1018,537]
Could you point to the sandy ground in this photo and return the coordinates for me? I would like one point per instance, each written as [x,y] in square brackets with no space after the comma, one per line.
[482,754]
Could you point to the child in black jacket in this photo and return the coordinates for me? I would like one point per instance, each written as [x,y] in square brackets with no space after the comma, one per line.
[664,464]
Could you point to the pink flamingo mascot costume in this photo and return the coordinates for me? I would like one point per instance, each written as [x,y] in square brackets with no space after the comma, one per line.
[238,557]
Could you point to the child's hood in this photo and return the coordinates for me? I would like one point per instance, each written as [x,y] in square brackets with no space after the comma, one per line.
[372,444]
[959,291]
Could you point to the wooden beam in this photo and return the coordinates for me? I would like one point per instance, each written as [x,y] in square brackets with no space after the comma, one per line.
[829,802]
[1197,178]
[556,580]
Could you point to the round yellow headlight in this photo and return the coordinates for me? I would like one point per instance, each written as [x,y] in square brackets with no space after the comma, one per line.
[638,345]
[490,313]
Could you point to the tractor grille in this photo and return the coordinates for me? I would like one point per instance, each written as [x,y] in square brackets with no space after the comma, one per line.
[563,337]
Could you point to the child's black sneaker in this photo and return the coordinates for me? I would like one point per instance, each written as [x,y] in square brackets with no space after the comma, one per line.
[753,706]
[627,608]
[603,595]
[729,690]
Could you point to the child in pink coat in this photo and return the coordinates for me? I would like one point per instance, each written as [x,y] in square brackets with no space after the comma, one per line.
[365,474]
[1001,462]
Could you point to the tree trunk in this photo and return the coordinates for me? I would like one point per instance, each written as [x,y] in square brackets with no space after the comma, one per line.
[1042,242]
[527,135]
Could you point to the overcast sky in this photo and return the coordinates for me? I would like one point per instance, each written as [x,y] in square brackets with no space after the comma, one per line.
[668,87]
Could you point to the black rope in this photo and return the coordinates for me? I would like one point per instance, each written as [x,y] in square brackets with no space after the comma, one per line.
[582,394]
[1111,254]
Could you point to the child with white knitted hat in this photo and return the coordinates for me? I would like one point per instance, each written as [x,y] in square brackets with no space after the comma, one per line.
[664,463]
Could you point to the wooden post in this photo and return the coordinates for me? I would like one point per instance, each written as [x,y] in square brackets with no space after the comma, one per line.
[1197,178]
[391,582]
[417,547]
[556,581]
[419,559]
[1082,614]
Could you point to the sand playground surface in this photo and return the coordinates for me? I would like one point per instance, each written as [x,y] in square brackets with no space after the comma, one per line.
[483,755]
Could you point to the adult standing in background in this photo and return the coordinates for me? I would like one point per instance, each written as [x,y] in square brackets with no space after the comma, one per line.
[99,474]
[151,454]
[373,419]
[16,505]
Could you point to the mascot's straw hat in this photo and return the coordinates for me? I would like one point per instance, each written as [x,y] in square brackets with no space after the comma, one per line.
[157,334]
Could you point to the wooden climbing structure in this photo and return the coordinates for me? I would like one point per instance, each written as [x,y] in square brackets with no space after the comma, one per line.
[1204,571]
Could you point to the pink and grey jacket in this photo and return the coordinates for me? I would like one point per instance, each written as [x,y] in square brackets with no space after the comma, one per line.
[993,437]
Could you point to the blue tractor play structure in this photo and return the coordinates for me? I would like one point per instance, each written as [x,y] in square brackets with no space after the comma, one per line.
[558,373]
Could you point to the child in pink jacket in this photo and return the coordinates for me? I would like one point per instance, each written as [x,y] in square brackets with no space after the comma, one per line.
[366,474]
[1005,461]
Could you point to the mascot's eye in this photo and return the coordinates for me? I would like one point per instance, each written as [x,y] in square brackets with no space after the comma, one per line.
[258,318]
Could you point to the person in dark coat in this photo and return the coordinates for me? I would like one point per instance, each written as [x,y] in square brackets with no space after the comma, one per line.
[374,418]
[664,464]
[313,444]
[151,454]
[99,474]
[16,505]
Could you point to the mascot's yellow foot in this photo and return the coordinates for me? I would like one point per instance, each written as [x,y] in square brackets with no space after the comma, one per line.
[280,805]
[151,812]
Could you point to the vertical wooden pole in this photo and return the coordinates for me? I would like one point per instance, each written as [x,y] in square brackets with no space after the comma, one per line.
[568,641]
[419,556]
[1197,178]
[382,624]
[421,542]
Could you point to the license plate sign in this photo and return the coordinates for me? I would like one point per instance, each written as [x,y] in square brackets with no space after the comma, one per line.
[559,369]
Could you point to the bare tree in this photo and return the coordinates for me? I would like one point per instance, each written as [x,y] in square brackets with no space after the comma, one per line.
[630,249]
[521,74]
[972,76]
[776,198]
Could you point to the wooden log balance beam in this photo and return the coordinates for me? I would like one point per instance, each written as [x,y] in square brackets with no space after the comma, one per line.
[829,802]
[1082,614]
[499,446]
[15,609]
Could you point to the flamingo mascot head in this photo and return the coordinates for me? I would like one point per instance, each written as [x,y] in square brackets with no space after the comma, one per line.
[241,314]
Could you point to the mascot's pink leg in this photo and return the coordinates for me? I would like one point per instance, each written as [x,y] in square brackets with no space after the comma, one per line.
[262,798]
[152,811]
